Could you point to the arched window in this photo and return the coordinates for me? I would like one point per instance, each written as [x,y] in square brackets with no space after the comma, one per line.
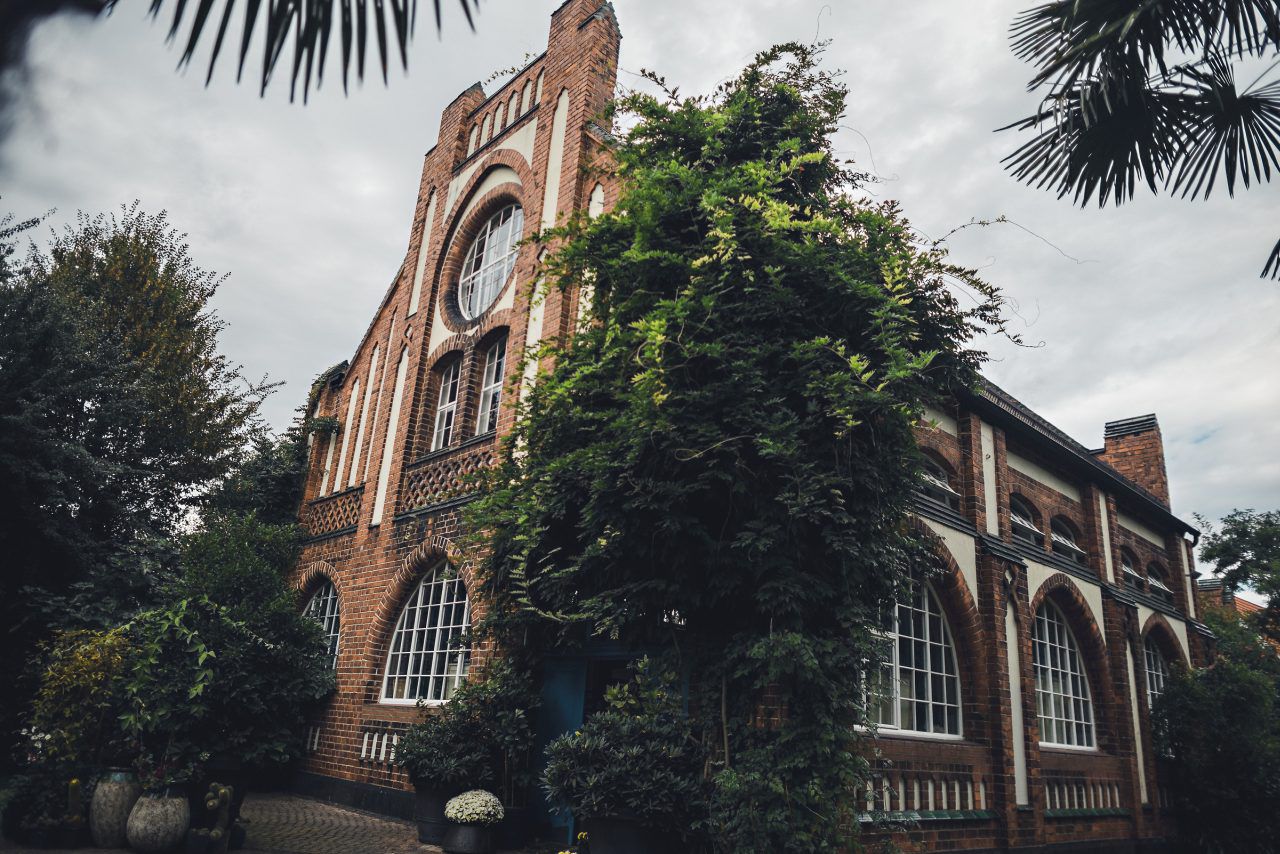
[495,362]
[526,97]
[1023,521]
[427,661]
[475,140]
[1062,689]
[513,107]
[1129,571]
[537,92]
[501,121]
[486,129]
[323,608]
[922,693]
[936,484]
[446,406]
[1064,542]
[489,261]
[1157,670]
[1158,584]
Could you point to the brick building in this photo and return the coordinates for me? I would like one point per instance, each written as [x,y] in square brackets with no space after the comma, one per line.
[1019,718]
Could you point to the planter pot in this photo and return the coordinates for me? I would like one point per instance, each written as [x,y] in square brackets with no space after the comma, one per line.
[516,828]
[158,822]
[113,799]
[626,835]
[428,812]
[468,839]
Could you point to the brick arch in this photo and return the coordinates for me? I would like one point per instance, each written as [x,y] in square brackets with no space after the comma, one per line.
[316,572]
[420,560]
[1062,591]
[1158,627]
[961,612]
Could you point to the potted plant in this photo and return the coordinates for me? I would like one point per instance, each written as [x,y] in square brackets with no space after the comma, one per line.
[472,817]
[160,819]
[631,775]
[481,737]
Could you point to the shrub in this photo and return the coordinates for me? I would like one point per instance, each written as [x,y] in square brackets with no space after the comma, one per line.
[481,737]
[76,713]
[474,807]
[637,758]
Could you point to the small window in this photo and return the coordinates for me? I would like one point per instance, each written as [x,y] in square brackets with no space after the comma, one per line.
[1023,521]
[1157,671]
[502,118]
[428,660]
[1132,579]
[487,129]
[323,608]
[526,97]
[1062,690]
[537,93]
[513,107]
[489,261]
[475,140]
[491,387]
[446,407]
[1064,542]
[1158,584]
[936,485]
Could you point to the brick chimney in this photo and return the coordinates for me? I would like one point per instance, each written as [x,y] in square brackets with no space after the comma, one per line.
[1134,448]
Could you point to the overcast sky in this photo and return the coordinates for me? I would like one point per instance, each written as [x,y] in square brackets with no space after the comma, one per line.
[1154,307]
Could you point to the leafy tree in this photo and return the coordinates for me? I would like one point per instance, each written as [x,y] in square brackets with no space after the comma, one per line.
[1147,91]
[1218,730]
[1246,550]
[722,461]
[116,409]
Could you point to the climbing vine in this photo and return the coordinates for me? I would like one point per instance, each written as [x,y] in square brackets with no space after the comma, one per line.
[718,468]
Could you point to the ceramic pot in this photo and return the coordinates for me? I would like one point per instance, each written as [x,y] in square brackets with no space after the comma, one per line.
[428,812]
[158,822]
[113,799]
[467,839]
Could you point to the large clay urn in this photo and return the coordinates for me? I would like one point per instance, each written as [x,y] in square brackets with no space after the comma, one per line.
[159,821]
[113,799]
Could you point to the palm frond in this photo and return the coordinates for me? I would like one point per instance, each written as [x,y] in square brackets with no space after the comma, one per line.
[1272,270]
[1237,135]
[306,26]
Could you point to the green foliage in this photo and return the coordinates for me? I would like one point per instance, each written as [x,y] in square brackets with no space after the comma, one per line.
[637,757]
[76,712]
[1147,91]
[1246,551]
[481,738]
[1219,729]
[1239,640]
[723,460]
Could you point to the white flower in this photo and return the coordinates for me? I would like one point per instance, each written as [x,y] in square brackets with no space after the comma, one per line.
[474,807]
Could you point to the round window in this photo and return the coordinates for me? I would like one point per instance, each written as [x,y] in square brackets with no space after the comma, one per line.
[489,261]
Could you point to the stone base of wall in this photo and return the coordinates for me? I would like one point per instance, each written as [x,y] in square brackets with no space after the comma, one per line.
[362,796]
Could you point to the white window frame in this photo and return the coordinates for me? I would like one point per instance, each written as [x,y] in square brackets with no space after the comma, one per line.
[323,607]
[423,660]
[495,363]
[1062,684]
[489,261]
[1157,670]
[447,406]
[892,670]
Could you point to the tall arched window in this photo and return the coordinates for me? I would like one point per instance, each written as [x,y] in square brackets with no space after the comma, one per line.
[1157,670]
[495,363]
[923,690]
[489,261]
[427,661]
[446,406]
[323,608]
[1062,689]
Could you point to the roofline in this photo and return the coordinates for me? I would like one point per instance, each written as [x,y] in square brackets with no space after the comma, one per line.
[1017,418]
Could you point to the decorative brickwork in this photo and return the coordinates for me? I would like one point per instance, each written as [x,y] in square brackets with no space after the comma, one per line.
[333,513]
[445,475]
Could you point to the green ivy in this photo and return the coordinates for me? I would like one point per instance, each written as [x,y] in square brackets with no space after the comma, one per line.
[721,463]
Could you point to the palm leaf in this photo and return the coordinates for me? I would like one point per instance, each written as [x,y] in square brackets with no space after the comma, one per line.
[306,25]
[1272,270]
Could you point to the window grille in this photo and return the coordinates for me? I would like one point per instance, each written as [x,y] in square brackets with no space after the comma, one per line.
[489,261]
[428,660]
[1157,671]
[323,608]
[491,387]
[1062,689]
[446,408]
[918,689]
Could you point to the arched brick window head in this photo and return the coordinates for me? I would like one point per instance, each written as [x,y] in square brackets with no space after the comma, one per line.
[428,660]
[1063,700]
